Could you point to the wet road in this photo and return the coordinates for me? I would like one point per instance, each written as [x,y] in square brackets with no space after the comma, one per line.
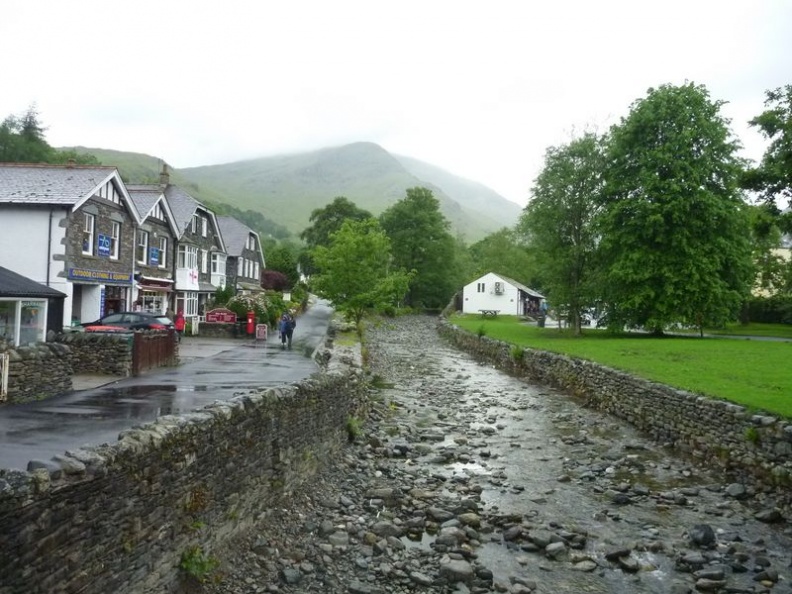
[41,430]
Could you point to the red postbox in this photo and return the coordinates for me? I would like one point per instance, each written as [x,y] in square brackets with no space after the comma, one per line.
[251,322]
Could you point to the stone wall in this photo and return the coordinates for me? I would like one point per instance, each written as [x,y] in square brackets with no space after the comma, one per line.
[118,518]
[38,371]
[99,353]
[754,447]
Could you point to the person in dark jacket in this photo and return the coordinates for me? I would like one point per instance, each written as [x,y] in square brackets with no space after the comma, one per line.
[286,329]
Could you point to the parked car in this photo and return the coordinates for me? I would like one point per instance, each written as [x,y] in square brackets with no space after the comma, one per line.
[130,320]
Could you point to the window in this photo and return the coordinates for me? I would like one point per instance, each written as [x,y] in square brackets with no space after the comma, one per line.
[89,222]
[141,254]
[187,303]
[256,271]
[240,266]
[115,241]
[195,222]
[204,226]
[218,264]
[204,261]
[188,256]
[480,287]
[163,252]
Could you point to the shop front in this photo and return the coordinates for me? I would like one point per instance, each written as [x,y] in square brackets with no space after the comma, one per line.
[153,294]
[98,293]
[24,309]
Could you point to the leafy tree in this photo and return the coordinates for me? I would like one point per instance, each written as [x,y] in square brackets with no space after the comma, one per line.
[504,252]
[22,141]
[282,258]
[421,242]
[773,177]
[326,221]
[771,269]
[674,234]
[559,223]
[357,271]
[275,280]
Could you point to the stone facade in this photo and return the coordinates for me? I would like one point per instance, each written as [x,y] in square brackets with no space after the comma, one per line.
[753,447]
[118,518]
[106,212]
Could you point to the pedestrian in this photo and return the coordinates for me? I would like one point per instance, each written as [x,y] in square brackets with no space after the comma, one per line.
[286,329]
[178,324]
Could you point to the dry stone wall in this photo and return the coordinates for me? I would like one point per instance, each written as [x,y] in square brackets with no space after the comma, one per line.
[38,371]
[119,518]
[754,447]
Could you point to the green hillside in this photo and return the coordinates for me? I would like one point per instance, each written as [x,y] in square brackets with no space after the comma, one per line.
[285,189]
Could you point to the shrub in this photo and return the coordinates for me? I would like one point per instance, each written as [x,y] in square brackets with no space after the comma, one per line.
[197,564]
[769,310]
[241,304]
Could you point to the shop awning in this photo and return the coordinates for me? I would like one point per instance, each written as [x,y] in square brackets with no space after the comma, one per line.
[155,289]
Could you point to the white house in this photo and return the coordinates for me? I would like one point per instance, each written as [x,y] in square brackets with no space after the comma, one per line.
[499,293]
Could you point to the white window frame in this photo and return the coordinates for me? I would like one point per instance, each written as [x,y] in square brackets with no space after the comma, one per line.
[187,257]
[89,229]
[218,263]
[163,252]
[204,226]
[194,224]
[204,261]
[115,240]
[144,236]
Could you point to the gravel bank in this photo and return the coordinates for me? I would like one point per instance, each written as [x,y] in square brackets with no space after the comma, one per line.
[467,480]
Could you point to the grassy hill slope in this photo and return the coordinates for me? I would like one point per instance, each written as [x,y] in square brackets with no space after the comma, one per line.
[287,188]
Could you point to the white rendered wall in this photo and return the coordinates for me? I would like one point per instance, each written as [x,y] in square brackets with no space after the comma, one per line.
[507,302]
[24,232]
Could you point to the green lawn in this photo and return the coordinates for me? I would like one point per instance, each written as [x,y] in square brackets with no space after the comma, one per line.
[754,373]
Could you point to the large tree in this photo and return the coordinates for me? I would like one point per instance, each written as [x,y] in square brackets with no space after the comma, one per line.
[357,272]
[559,223]
[421,242]
[773,177]
[674,233]
[504,252]
[22,141]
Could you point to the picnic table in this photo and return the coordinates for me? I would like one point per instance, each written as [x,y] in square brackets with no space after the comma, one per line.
[492,313]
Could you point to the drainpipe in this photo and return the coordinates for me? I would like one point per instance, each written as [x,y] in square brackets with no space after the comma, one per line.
[49,246]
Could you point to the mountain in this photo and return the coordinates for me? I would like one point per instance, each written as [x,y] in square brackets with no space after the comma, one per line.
[287,188]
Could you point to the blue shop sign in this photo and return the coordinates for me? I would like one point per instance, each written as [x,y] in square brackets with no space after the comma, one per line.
[100,276]
[154,256]
[104,243]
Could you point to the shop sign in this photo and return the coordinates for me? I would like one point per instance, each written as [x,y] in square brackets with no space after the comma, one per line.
[99,276]
[154,256]
[220,315]
[103,244]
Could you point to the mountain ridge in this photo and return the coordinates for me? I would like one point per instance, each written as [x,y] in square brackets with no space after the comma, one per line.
[287,188]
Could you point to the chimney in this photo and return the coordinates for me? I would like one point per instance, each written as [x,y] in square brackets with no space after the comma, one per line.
[164,175]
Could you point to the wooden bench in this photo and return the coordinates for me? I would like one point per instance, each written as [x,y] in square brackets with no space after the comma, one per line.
[492,313]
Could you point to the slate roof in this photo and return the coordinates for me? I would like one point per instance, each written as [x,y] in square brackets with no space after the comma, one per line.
[520,286]
[144,197]
[182,206]
[25,183]
[235,234]
[16,285]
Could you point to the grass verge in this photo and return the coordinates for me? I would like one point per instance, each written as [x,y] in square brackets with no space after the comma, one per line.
[753,373]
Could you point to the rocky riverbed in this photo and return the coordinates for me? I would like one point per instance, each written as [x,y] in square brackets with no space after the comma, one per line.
[464,479]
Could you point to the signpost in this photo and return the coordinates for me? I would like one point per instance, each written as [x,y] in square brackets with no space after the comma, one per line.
[221,315]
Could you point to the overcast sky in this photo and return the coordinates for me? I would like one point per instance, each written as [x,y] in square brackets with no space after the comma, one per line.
[478,88]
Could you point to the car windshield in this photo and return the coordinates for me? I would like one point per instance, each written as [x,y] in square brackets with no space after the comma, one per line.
[163,320]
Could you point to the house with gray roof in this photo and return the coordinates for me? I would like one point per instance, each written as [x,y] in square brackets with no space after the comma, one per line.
[71,228]
[155,250]
[28,310]
[494,292]
[200,267]
[245,255]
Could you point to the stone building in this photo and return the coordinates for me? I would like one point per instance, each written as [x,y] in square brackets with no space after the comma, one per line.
[71,228]
[155,250]
[245,255]
[200,267]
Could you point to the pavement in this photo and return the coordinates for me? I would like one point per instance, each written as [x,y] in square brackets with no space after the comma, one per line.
[211,369]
